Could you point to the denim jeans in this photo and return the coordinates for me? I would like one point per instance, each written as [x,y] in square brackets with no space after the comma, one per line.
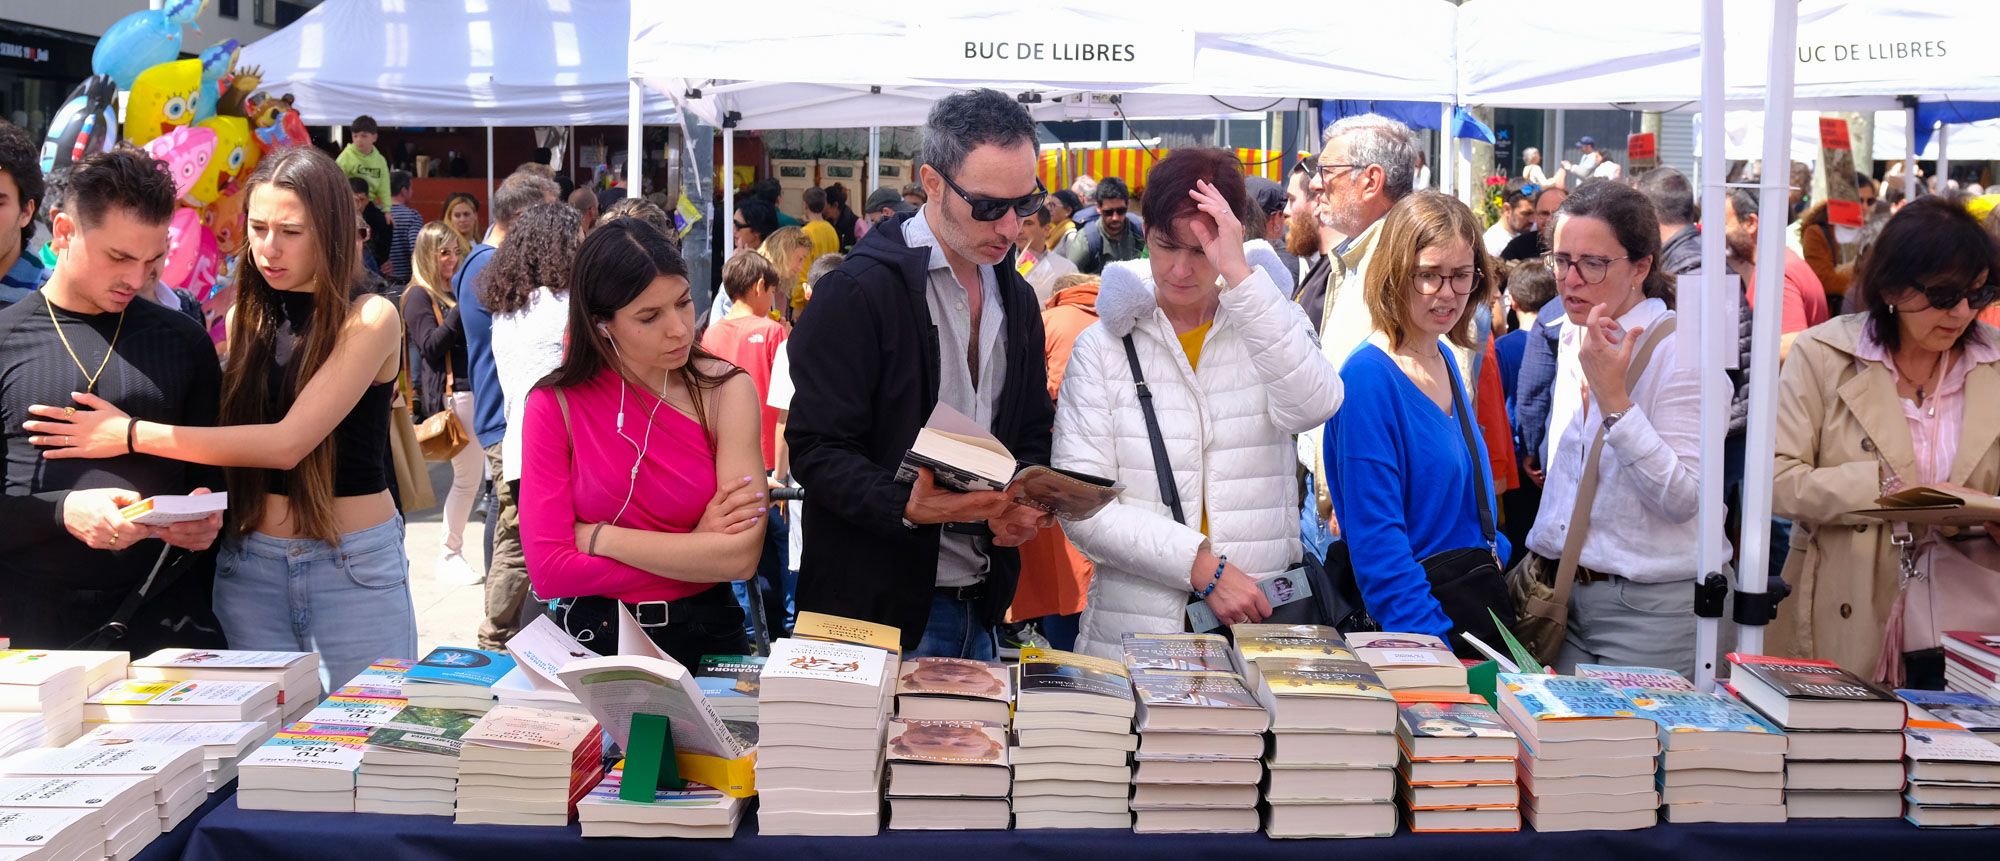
[775,582]
[955,631]
[350,603]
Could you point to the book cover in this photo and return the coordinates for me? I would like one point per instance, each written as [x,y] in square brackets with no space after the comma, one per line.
[425,730]
[1321,677]
[522,727]
[90,792]
[1392,649]
[840,629]
[1807,679]
[310,745]
[1691,711]
[846,663]
[1279,587]
[34,828]
[457,665]
[955,677]
[1258,641]
[695,795]
[1193,688]
[33,667]
[1567,697]
[351,710]
[1182,652]
[743,671]
[1969,710]
[947,742]
[1453,720]
[199,733]
[384,679]
[617,688]
[231,658]
[134,692]
[1649,678]
[1056,671]
[117,759]
[1930,741]
[1986,646]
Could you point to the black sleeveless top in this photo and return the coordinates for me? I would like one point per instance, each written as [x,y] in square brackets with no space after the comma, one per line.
[360,441]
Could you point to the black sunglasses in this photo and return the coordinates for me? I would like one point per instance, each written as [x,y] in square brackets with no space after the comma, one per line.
[995,208]
[1948,296]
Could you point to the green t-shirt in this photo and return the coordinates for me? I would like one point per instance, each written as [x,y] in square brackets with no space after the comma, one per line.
[371,167]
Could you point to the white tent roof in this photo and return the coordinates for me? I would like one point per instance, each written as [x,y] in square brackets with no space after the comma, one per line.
[455,62]
[1745,137]
[805,66]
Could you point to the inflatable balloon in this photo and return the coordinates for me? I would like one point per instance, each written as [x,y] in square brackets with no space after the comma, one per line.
[86,123]
[162,100]
[224,218]
[236,98]
[287,129]
[183,245]
[186,152]
[215,65]
[201,276]
[142,40]
[236,154]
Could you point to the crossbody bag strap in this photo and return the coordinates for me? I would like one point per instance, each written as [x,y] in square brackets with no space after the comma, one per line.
[1479,494]
[1586,486]
[1170,492]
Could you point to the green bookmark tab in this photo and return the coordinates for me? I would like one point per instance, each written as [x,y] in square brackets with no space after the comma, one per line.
[649,760]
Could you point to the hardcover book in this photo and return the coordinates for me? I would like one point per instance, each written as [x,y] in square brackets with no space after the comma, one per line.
[1054,680]
[1180,652]
[1806,694]
[1257,641]
[457,665]
[1649,678]
[965,457]
[1565,708]
[1689,719]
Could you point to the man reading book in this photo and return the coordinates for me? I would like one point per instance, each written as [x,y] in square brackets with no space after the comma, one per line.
[69,560]
[929,308]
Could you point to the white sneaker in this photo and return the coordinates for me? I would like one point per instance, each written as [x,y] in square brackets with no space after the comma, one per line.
[454,570]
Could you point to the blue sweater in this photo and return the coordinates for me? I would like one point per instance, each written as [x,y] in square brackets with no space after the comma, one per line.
[1402,488]
[489,404]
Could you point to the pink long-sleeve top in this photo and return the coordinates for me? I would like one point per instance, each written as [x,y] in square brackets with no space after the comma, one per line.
[584,474]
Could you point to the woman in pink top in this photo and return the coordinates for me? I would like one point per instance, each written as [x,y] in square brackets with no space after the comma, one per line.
[643,479]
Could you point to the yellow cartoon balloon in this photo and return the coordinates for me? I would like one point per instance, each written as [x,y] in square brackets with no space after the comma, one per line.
[236,154]
[162,99]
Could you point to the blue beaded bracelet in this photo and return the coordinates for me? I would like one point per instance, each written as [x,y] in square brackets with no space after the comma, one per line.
[1217,579]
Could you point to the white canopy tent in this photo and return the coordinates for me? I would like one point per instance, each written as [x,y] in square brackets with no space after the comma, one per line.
[1744,137]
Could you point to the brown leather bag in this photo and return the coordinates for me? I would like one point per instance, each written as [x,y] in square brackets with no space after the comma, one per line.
[441,436]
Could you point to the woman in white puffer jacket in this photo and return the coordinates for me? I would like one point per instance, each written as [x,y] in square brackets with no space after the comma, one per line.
[1234,372]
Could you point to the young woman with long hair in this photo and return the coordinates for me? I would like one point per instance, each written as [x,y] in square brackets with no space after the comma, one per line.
[430,316]
[314,556]
[461,214]
[647,487]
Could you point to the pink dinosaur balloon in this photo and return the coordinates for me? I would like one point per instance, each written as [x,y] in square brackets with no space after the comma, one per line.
[186,150]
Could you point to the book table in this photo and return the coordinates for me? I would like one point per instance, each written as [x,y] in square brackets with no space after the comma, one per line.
[229,833]
[170,846]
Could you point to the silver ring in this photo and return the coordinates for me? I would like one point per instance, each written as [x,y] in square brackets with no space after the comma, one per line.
[66,442]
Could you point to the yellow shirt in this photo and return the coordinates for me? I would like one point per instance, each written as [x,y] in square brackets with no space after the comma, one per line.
[1191,341]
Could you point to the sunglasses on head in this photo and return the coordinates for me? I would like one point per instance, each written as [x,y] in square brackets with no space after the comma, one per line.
[995,208]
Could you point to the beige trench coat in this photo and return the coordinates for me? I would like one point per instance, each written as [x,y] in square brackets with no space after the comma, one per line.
[1838,420]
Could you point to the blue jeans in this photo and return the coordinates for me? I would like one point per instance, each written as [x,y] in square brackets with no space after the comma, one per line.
[955,631]
[351,603]
[776,583]
[1062,630]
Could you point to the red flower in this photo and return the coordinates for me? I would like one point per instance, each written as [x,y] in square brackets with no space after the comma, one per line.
[1495,180]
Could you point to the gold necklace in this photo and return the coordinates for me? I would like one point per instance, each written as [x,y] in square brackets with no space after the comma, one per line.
[89,379]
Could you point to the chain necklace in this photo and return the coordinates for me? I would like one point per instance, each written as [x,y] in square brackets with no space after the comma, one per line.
[89,379]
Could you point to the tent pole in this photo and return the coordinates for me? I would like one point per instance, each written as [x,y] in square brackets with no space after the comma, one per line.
[874,158]
[1716,299]
[1558,148]
[1446,169]
[1910,153]
[635,160]
[489,173]
[1944,159]
[569,150]
[728,180]
[1774,187]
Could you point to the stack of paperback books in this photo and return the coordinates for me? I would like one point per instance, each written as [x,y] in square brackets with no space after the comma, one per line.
[135,701]
[123,807]
[410,765]
[1977,713]
[1588,755]
[1458,764]
[947,774]
[1954,776]
[1073,709]
[99,668]
[730,683]
[822,712]
[695,811]
[382,680]
[20,731]
[1972,663]
[172,772]
[222,744]
[54,834]
[453,677]
[306,767]
[1844,736]
[295,673]
[1332,755]
[1720,761]
[1190,684]
[355,709]
[525,766]
[1410,662]
[52,688]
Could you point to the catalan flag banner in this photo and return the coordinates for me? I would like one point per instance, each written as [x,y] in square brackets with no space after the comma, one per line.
[1059,168]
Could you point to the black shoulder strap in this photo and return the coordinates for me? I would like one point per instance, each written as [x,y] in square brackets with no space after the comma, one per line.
[1170,492]
[1479,469]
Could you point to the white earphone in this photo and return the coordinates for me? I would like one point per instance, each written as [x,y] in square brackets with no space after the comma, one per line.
[640,445]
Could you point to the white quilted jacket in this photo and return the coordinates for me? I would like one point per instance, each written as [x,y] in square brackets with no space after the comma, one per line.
[1228,433]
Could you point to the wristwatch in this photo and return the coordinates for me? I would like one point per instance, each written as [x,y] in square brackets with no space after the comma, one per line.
[1612,418]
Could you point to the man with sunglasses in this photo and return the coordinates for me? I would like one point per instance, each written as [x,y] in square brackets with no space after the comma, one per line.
[1113,235]
[928,311]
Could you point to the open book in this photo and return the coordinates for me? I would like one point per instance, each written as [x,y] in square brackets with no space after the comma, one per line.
[966,458]
[1938,505]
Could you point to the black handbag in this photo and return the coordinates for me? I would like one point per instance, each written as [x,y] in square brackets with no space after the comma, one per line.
[1468,581]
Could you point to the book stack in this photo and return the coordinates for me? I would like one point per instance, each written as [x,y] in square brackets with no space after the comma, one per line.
[1073,709]
[696,811]
[452,677]
[1844,736]
[619,689]
[137,701]
[822,713]
[1972,663]
[48,686]
[1954,776]
[731,684]
[1588,755]
[99,668]
[410,765]
[1459,760]
[20,731]
[1189,684]
[295,673]
[1720,761]
[540,651]
[127,817]
[947,774]
[356,710]
[526,766]
[1410,662]
[172,772]
[305,767]
[1977,713]
[54,834]
[1332,755]
[223,744]
[382,680]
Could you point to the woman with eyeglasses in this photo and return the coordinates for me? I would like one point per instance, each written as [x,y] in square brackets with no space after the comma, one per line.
[1626,437]
[1406,467]
[1903,394]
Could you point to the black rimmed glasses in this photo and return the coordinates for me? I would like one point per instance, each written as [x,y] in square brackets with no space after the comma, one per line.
[1431,282]
[1592,267]
[995,208]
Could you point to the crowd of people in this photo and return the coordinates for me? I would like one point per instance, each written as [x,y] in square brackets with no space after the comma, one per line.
[1454,422]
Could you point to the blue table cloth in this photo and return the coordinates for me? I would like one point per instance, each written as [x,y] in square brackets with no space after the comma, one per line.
[169,846]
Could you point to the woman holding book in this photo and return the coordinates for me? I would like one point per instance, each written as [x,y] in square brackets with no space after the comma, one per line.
[648,482]
[1905,393]
[314,560]
[1233,371]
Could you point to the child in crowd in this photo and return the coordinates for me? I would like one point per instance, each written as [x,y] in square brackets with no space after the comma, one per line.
[748,338]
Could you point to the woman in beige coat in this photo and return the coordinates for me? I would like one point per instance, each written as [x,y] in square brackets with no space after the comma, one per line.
[1904,394]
